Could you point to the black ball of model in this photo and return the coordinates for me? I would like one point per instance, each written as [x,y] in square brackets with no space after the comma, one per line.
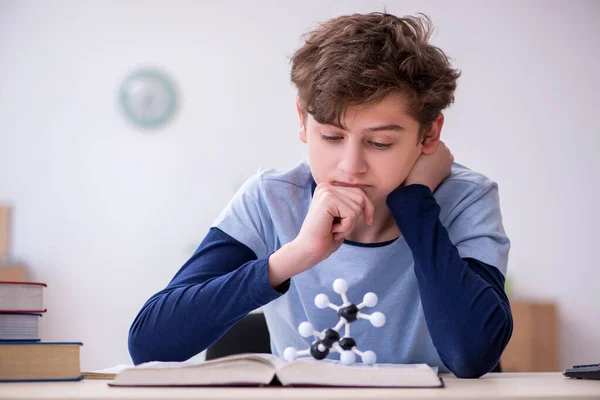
[331,336]
[349,313]
[316,352]
[347,343]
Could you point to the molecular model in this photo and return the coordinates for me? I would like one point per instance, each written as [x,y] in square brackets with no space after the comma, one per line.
[330,339]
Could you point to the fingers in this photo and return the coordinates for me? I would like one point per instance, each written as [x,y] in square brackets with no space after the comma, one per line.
[348,212]
[359,197]
[344,205]
[351,204]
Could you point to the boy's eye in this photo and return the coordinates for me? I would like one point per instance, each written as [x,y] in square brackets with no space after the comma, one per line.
[381,146]
[376,145]
[330,138]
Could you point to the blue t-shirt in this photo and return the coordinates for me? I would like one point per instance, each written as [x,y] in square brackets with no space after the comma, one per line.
[440,284]
[268,212]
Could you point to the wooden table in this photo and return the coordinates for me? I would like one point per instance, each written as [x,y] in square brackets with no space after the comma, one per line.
[548,385]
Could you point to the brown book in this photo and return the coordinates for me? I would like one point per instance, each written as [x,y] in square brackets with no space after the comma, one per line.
[22,297]
[267,369]
[32,361]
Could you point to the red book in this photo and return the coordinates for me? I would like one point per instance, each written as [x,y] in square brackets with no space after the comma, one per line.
[22,297]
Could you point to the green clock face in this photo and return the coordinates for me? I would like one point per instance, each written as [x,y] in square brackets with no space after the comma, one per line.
[148,98]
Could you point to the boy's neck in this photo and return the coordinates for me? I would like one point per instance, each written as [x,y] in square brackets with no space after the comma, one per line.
[384,228]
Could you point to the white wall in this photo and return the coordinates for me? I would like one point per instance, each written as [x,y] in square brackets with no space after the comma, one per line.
[106,214]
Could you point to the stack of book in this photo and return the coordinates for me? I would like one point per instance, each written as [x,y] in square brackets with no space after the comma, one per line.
[23,356]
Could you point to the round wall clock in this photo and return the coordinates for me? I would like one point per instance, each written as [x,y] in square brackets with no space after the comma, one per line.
[148,98]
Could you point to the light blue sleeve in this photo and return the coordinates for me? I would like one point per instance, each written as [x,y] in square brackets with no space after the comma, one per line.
[475,225]
[247,219]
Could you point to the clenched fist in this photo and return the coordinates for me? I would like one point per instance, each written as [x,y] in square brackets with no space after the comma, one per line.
[431,169]
[331,217]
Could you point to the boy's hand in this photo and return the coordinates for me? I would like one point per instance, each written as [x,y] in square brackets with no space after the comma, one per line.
[332,214]
[431,169]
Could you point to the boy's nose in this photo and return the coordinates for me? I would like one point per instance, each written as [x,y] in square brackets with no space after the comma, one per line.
[353,161]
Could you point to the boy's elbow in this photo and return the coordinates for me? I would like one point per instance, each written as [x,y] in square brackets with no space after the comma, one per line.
[152,341]
[474,361]
[143,342]
[471,362]
[137,349]
[470,368]
[476,358]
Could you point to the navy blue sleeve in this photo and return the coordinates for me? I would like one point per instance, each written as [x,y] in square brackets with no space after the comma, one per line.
[221,283]
[466,309]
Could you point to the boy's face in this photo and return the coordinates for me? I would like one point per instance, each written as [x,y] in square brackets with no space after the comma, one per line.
[375,153]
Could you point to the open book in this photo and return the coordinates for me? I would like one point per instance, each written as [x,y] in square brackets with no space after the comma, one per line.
[267,369]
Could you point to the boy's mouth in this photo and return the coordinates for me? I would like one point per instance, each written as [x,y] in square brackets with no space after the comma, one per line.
[347,184]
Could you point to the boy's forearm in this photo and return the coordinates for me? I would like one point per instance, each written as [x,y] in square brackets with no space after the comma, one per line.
[467,312]
[218,286]
[288,261]
[180,322]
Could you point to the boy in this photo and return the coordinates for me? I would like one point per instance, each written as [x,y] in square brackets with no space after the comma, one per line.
[380,203]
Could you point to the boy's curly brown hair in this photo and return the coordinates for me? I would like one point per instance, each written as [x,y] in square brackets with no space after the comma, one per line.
[359,59]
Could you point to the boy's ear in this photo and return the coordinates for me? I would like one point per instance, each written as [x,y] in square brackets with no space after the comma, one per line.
[431,138]
[302,130]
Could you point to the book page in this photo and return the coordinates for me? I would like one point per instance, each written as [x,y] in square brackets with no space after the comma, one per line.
[239,369]
[261,358]
[333,373]
[106,373]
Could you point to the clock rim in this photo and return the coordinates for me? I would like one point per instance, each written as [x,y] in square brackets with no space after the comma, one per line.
[170,88]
